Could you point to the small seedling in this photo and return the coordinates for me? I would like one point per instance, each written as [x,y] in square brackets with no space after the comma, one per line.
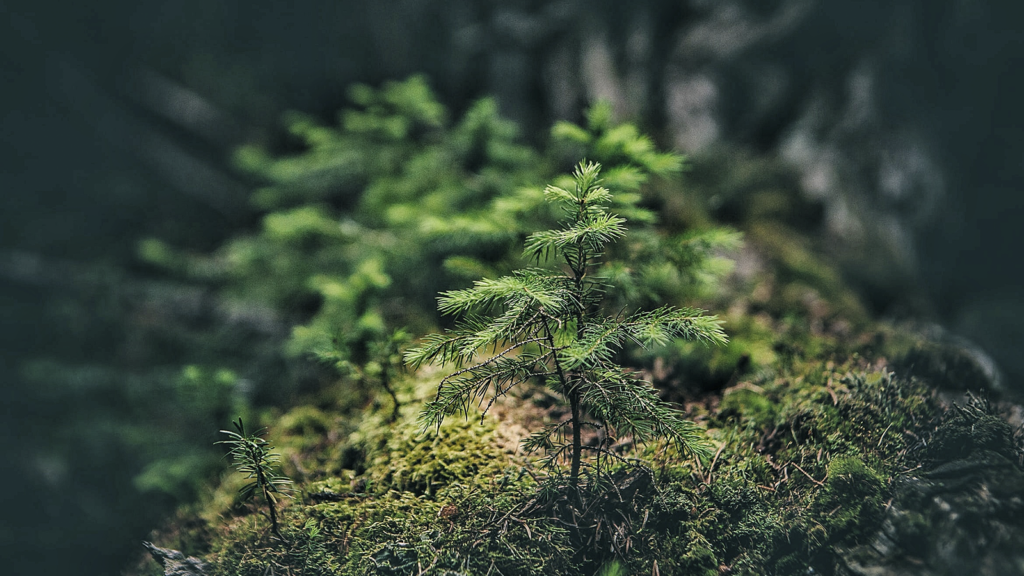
[385,364]
[253,457]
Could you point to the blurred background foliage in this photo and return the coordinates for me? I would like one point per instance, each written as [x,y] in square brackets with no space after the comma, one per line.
[176,240]
[396,203]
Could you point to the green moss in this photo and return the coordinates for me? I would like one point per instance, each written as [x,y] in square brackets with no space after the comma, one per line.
[850,504]
[305,421]
[750,405]
[696,559]
[384,499]
[807,450]
[421,463]
[968,433]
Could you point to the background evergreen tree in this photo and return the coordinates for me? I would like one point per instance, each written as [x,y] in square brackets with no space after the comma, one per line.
[549,324]
[402,199]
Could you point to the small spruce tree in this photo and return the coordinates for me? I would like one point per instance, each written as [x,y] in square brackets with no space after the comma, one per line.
[253,457]
[548,324]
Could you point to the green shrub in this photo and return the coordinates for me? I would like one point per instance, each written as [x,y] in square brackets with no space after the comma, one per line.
[377,214]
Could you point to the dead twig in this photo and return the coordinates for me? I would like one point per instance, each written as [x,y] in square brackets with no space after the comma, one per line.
[809,477]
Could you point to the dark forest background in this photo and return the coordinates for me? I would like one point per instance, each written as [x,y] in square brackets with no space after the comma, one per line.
[901,118]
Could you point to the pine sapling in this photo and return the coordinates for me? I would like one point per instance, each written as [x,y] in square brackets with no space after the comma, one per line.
[253,457]
[548,324]
[385,364]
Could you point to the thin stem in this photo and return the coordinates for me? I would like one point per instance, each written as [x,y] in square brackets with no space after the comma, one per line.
[579,272]
[272,505]
[386,383]
[577,444]
[574,404]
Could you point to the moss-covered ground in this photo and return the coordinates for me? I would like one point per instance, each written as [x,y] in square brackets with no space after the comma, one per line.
[806,466]
[831,448]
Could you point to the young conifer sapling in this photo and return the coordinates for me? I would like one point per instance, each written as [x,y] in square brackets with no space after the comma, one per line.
[548,324]
[253,457]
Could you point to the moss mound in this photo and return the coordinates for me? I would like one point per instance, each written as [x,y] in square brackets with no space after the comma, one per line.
[833,453]
[809,458]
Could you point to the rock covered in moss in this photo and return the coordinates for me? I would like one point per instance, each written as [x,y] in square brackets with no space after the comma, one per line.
[960,511]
